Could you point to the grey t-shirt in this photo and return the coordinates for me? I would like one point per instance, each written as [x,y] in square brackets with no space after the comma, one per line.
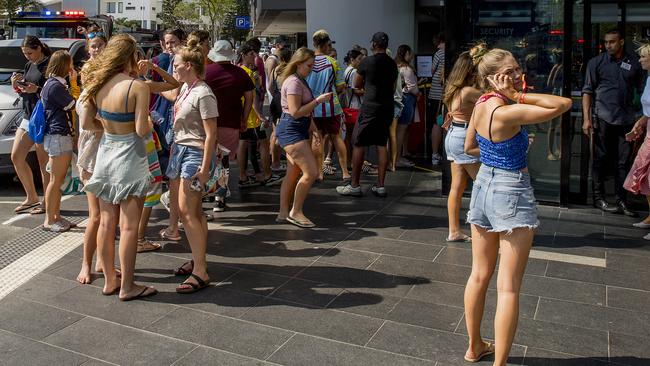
[191,108]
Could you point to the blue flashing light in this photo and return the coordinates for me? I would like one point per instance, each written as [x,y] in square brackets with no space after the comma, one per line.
[48,13]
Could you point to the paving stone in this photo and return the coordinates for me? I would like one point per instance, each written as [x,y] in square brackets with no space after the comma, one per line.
[433,235]
[598,275]
[628,299]
[20,351]
[306,350]
[426,315]
[217,299]
[629,350]
[210,356]
[594,317]
[307,292]
[349,258]
[33,320]
[392,247]
[44,286]
[345,327]
[119,344]
[232,335]
[431,270]
[429,344]
[252,282]
[628,263]
[463,257]
[542,357]
[371,305]
[564,290]
[88,300]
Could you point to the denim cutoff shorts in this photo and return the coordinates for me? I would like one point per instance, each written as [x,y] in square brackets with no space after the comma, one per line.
[184,161]
[57,145]
[290,130]
[408,112]
[397,109]
[455,146]
[24,125]
[502,200]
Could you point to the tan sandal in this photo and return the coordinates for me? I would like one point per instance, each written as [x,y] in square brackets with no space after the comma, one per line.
[489,349]
[147,246]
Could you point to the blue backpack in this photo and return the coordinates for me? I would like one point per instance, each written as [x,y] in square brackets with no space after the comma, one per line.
[36,129]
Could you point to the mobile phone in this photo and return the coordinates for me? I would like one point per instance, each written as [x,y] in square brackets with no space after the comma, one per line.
[195,185]
[22,83]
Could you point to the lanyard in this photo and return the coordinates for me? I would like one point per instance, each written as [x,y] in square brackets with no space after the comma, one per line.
[177,105]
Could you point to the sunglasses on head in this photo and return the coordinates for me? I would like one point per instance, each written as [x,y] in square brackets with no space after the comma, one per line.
[92,35]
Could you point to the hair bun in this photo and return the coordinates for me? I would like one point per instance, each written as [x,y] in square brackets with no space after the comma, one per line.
[478,51]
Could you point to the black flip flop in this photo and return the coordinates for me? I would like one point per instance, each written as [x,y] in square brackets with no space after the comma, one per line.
[200,285]
[141,295]
[25,207]
[180,271]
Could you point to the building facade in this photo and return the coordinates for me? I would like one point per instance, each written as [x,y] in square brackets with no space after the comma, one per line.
[144,11]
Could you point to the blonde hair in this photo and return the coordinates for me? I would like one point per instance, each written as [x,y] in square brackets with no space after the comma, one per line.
[644,50]
[193,53]
[59,65]
[119,55]
[303,54]
[489,64]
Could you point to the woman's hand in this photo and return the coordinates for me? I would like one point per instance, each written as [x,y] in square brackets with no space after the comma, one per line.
[30,88]
[202,177]
[324,97]
[14,78]
[503,84]
[316,137]
[144,66]
[73,74]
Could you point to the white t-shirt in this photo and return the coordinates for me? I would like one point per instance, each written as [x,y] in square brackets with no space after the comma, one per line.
[645,98]
[191,108]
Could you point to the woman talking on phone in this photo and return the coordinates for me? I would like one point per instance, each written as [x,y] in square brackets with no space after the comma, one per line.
[28,85]
[503,212]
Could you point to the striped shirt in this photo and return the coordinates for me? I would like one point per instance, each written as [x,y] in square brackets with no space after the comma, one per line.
[325,76]
[437,67]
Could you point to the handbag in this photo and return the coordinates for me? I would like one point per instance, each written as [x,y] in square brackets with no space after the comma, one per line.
[351,115]
[36,130]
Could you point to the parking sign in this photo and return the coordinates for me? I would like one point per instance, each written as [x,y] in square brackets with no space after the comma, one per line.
[243,22]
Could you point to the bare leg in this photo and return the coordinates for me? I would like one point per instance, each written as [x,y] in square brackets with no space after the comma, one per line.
[130,211]
[43,159]
[358,154]
[436,138]
[242,156]
[275,151]
[196,228]
[288,188]
[382,154]
[266,157]
[458,184]
[20,149]
[348,144]
[172,229]
[318,151]
[144,222]
[342,153]
[514,256]
[647,219]
[485,249]
[106,243]
[90,240]
[401,136]
[393,145]
[302,157]
[59,166]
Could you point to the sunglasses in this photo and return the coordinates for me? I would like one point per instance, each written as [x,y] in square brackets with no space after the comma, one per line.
[92,35]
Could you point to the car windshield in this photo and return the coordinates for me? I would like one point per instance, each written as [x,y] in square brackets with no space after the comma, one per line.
[12,60]
[51,31]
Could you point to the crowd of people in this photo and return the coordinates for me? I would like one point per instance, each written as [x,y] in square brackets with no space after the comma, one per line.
[182,116]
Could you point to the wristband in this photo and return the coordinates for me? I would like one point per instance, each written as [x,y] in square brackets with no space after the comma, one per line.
[522,98]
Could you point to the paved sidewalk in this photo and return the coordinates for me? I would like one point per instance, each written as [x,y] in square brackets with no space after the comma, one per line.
[374,284]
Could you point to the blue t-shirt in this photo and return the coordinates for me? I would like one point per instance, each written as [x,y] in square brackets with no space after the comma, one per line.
[57,101]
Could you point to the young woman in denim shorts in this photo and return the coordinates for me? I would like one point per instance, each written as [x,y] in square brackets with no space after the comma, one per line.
[191,157]
[461,93]
[293,132]
[502,209]
[57,103]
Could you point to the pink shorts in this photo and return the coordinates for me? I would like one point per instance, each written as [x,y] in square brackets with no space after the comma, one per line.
[229,138]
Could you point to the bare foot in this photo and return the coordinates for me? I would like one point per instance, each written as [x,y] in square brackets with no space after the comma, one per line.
[84,277]
[137,292]
[111,286]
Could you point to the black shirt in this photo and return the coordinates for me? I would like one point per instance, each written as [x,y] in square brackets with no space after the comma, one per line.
[57,101]
[35,74]
[612,82]
[380,74]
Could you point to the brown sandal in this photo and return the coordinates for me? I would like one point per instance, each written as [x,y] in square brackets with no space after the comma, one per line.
[147,246]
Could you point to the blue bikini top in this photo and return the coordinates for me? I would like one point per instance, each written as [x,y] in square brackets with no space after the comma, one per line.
[119,117]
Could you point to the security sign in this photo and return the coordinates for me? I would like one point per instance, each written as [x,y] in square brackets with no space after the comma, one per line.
[243,22]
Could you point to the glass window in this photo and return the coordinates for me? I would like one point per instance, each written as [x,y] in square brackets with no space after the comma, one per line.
[120,7]
[110,7]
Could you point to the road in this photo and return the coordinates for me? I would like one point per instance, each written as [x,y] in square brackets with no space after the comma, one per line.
[11,195]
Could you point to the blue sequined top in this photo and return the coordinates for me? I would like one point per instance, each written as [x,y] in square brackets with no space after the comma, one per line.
[508,155]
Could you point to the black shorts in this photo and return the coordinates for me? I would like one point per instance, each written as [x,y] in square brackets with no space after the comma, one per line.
[328,125]
[373,127]
[253,134]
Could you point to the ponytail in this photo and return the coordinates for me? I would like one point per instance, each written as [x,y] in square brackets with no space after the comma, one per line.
[193,53]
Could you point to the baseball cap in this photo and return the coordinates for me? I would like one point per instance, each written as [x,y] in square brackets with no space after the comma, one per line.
[222,51]
[380,38]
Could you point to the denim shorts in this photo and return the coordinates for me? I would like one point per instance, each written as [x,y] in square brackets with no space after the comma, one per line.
[455,146]
[184,162]
[290,130]
[397,110]
[57,145]
[24,125]
[408,112]
[502,200]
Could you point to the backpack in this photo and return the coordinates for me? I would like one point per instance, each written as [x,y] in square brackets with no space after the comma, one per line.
[36,130]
